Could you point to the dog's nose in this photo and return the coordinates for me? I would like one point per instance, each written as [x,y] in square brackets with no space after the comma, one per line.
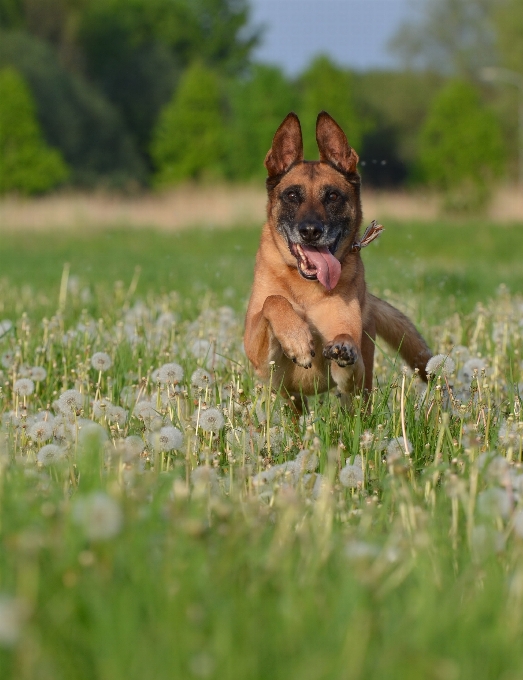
[310,231]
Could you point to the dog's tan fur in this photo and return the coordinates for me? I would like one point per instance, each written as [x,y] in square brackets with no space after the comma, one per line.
[318,338]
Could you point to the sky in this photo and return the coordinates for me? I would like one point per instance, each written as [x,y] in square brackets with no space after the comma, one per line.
[354,33]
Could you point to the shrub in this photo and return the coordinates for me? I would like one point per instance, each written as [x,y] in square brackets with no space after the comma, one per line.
[27,163]
[460,147]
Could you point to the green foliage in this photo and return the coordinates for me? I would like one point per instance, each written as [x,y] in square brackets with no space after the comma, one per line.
[27,164]
[74,116]
[509,31]
[327,87]
[188,140]
[461,149]
[258,104]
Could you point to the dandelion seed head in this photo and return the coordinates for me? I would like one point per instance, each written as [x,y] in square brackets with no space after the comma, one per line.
[397,448]
[211,420]
[38,373]
[99,515]
[71,401]
[100,407]
[14,612]
[470,367]
[307,461]
[494,502]
[440,364]
[101,361]
[24,387]
[5,326]
[91,434]
[351,476]
[41,431]
[7,359]
[204,476]
[170,374]
[134,445]
[50,454]
[168,438]
[145,410]
[116,415]
[201,348]
[201,379]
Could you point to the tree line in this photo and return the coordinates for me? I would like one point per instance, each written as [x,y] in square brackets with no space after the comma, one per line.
[129,93]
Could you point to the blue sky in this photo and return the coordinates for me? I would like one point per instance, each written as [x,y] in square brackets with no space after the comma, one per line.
[353,32]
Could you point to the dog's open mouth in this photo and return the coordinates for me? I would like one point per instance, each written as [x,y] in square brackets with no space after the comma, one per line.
[317,263]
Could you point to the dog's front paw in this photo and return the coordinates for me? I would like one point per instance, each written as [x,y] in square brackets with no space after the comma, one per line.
[298,345]
[341,350]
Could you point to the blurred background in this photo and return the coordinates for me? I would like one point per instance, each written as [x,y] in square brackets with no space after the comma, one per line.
[138,96]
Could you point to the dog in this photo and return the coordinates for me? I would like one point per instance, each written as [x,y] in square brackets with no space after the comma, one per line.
[310,320]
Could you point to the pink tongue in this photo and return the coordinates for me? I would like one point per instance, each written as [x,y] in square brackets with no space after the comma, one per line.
[328,267]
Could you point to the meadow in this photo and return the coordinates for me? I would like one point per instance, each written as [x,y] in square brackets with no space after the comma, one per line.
[164,515]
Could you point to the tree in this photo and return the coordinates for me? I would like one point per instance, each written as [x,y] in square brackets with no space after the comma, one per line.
[461,149]
[27,164]
[258,104]
[451,36]
[188,140]
[327,87]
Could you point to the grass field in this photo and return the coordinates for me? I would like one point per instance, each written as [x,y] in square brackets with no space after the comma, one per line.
[163,515]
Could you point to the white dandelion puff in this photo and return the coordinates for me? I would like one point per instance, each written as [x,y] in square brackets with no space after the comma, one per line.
[70,401]
[351,476]
[116,415]
[471,367]
[204,476]
[24,387]
[397,448]
[170,374]
[201,379]
[211,420]
[14,612]
[38,373]
[7,359]
[145,410]
[201,348]
[5,326]
[101,361]
[99,515]
[100,407]
[494,502]
[168,438]
[134,446]
[307,461]
[91,434]
[440,364]
[41,431]
[50,454]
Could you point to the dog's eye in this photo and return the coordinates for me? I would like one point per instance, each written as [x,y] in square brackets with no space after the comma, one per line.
[291,196]
[333,196]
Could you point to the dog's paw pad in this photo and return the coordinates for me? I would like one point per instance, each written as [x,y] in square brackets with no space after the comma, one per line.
[343,353]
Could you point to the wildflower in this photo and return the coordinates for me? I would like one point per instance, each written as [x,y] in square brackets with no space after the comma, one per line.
[41,431]
[494,502]
[307,461]
[367,440]
[70,401]
[470,367]
[396,448]
[134,445]
[10,418]
[100,407]
[201,379]
[5,326]
[50,454]
[101,361]
[440,364]
[204,476]
[201,348]
[170,374]
[24,387]
[511,434]
[167,439]
[13,614]
[38,373]
[7,359]
[211,420]
[352,475]
[145,410]
[99,515]
[128,395]
[117,415]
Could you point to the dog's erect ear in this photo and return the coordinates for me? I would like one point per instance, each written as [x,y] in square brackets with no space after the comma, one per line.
[333,144]
[287,147]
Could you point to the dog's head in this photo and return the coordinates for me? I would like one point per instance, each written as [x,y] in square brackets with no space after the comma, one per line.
[314,205]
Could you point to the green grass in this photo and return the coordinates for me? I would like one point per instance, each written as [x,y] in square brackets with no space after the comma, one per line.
[253,570]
